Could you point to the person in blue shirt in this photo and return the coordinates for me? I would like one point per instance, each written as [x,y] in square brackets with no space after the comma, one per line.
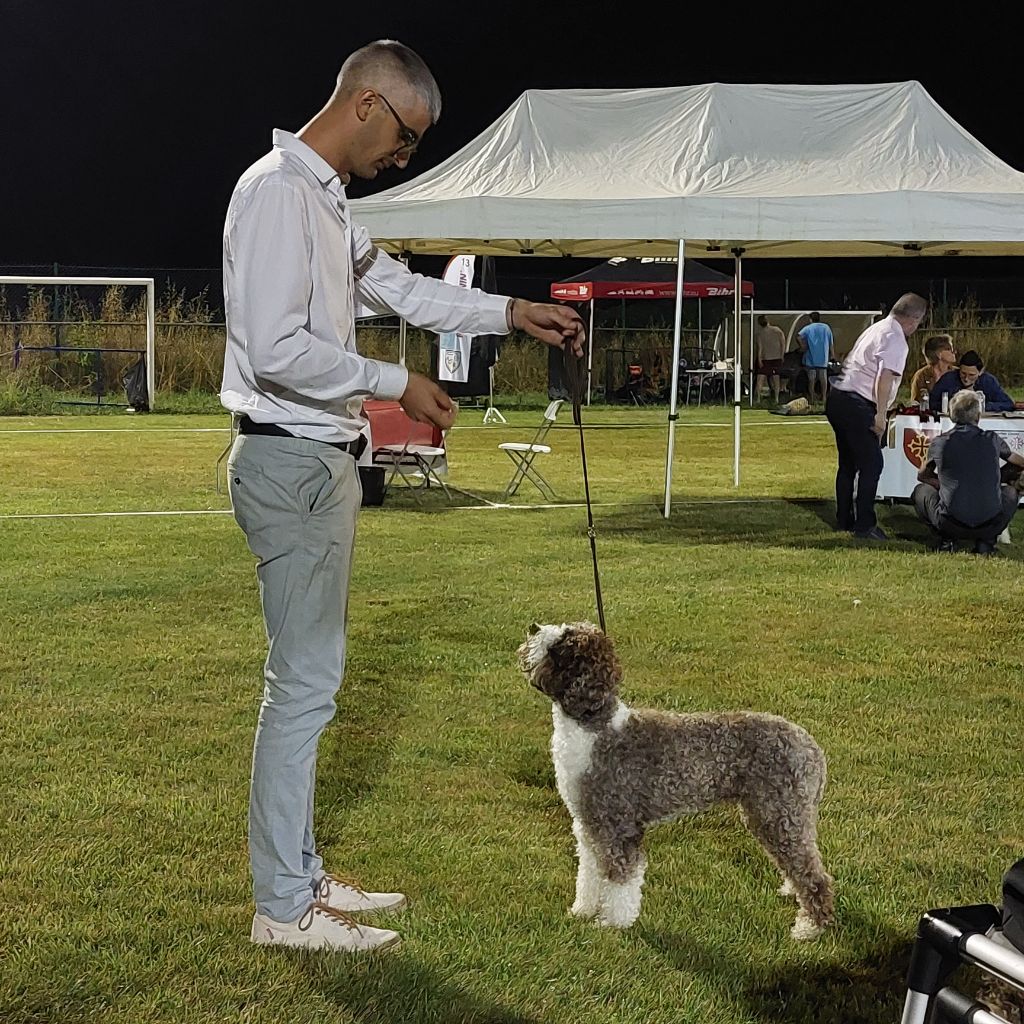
[817,345]
[971,375]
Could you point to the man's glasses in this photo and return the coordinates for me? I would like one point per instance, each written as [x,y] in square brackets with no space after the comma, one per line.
[409,139]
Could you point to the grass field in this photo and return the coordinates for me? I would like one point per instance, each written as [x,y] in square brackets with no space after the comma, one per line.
[130,681]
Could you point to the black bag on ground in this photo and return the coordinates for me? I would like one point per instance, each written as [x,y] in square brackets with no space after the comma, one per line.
[135,385]
[372,479]
[1013,904]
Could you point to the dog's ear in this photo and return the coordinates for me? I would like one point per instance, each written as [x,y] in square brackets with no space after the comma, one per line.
[583,672]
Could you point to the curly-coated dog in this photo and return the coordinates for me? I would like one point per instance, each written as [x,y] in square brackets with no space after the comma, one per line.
[621,770]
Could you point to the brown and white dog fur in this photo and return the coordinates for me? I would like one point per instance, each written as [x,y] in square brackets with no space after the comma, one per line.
[621,770]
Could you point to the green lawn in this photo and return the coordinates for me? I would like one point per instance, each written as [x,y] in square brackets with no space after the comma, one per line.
[130,681]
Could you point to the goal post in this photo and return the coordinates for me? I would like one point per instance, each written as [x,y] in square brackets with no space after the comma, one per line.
[144,282]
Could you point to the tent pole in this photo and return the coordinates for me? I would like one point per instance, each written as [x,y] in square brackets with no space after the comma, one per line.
[404,257]
[750,365]
[590,350]
[674,390]
[700,325]
[737,370]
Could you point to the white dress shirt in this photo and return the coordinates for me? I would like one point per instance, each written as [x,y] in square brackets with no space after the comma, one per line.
[295,268]
[883,346]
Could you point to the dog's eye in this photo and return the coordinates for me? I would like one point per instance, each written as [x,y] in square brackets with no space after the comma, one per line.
[534,629]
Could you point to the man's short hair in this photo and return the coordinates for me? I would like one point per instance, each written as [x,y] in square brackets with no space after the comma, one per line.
[763,321]
[965,407]
[934,345]
[910,304]
[379,63]
[972,358]
[815,317]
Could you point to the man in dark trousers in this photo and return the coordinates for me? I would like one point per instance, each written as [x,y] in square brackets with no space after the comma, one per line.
[856,408]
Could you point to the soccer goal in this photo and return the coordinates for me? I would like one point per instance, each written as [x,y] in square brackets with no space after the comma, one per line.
[64,335]
[847,326]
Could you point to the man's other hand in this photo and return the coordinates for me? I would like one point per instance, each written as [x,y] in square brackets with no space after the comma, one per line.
[425,402]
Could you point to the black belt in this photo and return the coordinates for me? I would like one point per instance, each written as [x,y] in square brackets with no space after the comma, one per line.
[247,426]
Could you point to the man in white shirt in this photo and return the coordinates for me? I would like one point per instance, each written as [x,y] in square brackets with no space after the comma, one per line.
[295,267]
[856,408]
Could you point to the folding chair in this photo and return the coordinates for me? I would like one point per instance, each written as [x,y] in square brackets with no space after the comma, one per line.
[697,365]
[523,456]
[417,465]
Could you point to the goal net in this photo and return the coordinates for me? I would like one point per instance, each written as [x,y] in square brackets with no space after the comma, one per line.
[91,339]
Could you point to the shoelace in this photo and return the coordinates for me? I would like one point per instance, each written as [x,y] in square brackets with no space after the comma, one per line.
[323,889]
[306,921]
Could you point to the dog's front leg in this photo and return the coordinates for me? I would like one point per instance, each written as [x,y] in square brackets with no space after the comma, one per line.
[621,885]
[588,876]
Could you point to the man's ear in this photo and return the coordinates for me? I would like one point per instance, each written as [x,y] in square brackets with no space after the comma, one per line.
[364,102]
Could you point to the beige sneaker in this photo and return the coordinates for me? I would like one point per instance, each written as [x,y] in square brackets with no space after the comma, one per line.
[323,928]
[338,894]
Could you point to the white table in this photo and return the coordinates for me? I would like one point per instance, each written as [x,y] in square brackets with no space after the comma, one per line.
[906,449]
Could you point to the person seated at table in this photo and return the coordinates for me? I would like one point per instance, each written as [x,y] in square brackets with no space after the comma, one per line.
[971,375]
[939,359]
[961,495]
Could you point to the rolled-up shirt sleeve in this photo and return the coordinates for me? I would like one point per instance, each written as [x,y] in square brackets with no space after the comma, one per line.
[270,245]
[386,285]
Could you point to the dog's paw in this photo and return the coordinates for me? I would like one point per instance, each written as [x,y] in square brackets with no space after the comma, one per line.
[603,922]
[606,920]
[787,888]
[804,929]
[585,911]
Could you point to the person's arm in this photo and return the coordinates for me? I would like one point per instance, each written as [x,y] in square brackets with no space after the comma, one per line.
[885,386]
[386,285]
[1015,460]
[927,474]
[916,390]
[996,399]
[831,346]
[802,340]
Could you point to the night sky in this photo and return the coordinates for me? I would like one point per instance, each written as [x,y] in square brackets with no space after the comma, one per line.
[126,126]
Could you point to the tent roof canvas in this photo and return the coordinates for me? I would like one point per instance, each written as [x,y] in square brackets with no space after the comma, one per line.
[777,170]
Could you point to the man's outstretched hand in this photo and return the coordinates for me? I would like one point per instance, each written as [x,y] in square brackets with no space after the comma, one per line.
[425,402]
[553,324]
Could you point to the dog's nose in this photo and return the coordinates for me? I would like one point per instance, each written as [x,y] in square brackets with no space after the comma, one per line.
[534,629]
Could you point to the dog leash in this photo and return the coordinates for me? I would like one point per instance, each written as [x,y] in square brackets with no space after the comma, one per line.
[576,378]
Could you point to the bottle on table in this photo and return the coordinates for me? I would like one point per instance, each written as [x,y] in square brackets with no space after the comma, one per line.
[922,407]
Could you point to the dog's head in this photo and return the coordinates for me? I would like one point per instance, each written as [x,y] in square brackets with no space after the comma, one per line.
[575,665]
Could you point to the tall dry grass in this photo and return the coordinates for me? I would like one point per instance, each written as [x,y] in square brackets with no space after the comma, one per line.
[999,343]
[190,345]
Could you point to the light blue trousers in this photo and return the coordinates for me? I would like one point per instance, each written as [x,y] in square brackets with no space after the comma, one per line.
[297,502]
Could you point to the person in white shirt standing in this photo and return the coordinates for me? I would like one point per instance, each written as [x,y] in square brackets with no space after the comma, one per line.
[856,408]
[295,267]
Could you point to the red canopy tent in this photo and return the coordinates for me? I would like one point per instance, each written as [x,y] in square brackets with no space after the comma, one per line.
[646,277]
[650,277]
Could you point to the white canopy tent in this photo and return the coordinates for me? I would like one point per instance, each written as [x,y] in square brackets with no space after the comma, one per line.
[755,170]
